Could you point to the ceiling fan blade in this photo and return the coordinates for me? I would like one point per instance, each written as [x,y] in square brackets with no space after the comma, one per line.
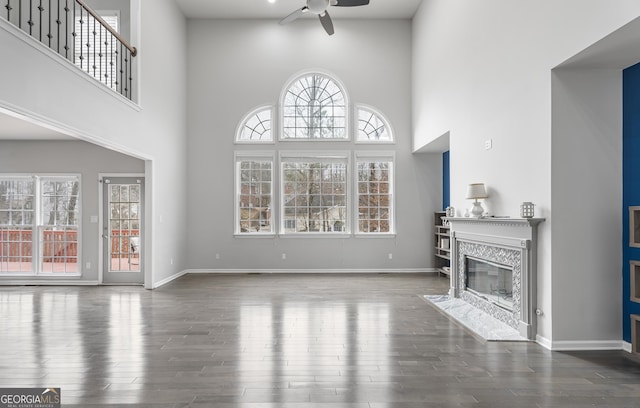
[293,16]
[325,19]
[349,3]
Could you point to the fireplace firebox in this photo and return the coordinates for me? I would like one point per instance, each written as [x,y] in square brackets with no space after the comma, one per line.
[489,280]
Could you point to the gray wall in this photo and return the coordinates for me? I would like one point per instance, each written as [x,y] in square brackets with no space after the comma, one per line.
[235,66]
[70,157]
[586,152]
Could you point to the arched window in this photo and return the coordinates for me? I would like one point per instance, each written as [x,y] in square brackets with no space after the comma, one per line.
[313,191]
[256,126]
[314,107]
[372,127]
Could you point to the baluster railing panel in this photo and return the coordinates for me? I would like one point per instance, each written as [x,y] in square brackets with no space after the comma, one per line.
[80,35]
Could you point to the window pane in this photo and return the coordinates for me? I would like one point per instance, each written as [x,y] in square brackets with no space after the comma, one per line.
[254,196]
[374,197]
[256,127]
[60,215]
[371,126]
[314,107]
[16,218]
[314,196]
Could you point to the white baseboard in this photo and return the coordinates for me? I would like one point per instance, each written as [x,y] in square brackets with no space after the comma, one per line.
[39,282]
[587,345]
[627,347]
[285,271]
[543,341]
[169,279]
[43,282]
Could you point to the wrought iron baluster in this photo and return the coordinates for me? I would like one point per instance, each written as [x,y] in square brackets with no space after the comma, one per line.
[8,7]
[111,60]
[121,70]
[94,48]
[30,22]
[100,56]
[74,34]
[58,25]
[49,36]
[130,95]
[66,28]
[40,10]
[126,70]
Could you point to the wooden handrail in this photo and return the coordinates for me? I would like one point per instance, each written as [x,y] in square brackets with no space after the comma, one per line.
[124,42]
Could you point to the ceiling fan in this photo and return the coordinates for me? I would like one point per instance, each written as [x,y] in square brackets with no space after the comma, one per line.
[320,7]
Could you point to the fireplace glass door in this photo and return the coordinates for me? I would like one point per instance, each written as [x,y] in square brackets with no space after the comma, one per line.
[490,280]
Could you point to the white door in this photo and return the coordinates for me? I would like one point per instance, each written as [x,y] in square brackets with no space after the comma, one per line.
[123,226]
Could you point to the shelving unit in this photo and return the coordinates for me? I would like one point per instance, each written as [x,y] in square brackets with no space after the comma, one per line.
[442,240]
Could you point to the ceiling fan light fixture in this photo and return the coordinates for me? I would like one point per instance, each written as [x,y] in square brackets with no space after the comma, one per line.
[317,6]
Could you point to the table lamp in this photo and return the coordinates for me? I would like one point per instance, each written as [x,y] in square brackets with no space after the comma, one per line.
[476,191]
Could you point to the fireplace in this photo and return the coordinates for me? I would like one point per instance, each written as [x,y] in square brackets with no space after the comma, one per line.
[494,269]
[490,281]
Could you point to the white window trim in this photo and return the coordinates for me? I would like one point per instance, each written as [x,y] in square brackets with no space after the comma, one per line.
[254,155]
[288,156]
[356,128]
[248,116]
[372,156]
[347,102]
[36,250]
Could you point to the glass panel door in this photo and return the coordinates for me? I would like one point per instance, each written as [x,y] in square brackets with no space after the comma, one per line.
[123,229]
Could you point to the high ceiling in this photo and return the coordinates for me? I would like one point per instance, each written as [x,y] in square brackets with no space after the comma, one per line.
[281,8]
[14,128]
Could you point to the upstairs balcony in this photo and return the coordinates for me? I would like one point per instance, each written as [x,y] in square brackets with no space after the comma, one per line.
[90,41]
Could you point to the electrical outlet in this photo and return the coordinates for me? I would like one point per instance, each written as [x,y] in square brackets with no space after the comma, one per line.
[171,261]
[217,256]
[284,256]
[88,265]
[390,255]
[488,144]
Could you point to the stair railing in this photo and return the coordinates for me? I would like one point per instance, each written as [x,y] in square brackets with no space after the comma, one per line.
[76,32]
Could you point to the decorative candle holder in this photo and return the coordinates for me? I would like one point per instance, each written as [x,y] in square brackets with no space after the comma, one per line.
[526,209]
[450,212]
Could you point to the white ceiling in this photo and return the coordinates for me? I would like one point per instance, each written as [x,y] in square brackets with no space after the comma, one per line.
[281,8]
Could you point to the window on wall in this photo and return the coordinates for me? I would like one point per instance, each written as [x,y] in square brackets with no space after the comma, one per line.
[314,194]
[317,192]
[314,107]
[254,192]
[375,193]
[95,50]
[256,127]
[372,127]
[39,224]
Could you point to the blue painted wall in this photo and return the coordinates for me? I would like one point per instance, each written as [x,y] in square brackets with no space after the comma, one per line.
[446,200]
[631,183]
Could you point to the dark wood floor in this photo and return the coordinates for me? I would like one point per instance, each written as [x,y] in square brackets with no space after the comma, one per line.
[283,341]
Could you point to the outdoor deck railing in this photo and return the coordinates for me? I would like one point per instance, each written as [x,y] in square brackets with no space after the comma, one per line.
[79,34]
[57,246]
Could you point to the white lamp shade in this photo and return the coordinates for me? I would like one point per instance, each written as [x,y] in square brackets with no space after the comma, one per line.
[476,190]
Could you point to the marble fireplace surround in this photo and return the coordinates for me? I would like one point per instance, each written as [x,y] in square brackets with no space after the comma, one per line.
[506,241]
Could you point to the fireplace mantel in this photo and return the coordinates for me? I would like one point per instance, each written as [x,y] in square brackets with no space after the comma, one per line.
[508,241]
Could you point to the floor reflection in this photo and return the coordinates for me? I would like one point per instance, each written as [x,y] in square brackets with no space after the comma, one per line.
[295,346]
